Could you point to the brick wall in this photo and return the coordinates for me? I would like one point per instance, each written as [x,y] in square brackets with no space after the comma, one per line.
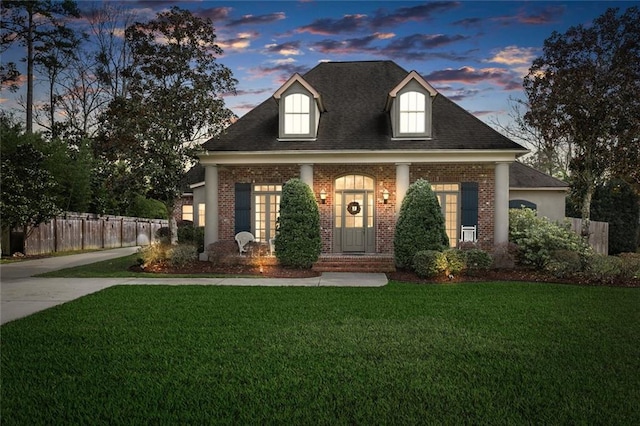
[484,174]
[384,176]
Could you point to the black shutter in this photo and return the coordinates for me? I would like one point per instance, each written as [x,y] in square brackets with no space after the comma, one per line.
[469,204]
[243,207]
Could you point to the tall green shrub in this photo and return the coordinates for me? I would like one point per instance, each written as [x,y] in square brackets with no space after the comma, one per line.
[420,225]
[298,229]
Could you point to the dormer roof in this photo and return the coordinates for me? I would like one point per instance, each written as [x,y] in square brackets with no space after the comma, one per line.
[412,76]
[297,78]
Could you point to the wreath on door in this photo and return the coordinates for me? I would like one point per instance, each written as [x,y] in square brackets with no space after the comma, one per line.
[354,208]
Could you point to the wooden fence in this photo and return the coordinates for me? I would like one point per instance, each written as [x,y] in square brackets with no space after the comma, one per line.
[85,231]
[598,234]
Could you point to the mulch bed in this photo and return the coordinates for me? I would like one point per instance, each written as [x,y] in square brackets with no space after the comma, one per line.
[276,271]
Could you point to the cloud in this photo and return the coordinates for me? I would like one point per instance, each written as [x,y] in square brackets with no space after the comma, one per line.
[246,92]
[291,48]
[514,55]
[215,13]
[257,19]
[328,26]
[468,22]
[282,69]
[470,75]
[401,15]
[484,113]
[350,46]
[425,41]
[240,42]
[461,94]
[546,15]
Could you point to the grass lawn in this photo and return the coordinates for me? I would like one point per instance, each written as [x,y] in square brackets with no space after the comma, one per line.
[492,353]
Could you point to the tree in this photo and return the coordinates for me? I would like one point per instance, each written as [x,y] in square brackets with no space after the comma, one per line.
[420,224]
[551,156]
[25,199]
[585,88]
[34,23]
[172,100]
[298,242]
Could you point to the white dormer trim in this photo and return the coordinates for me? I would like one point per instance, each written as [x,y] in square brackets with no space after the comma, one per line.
[297,78]
[297,84]
[413,82]
[413,75]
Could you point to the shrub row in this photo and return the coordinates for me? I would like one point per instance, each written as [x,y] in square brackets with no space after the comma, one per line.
[596,267]
[429,263]
[162,253]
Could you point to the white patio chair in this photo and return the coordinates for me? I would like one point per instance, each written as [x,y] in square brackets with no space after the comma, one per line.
[243,238]
[468,234]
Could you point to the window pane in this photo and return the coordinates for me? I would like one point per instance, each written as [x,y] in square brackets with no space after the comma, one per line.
[201,214]
[187,213]
[412,112]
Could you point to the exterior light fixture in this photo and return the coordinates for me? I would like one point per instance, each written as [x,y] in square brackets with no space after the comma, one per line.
[323,196]
[385,196]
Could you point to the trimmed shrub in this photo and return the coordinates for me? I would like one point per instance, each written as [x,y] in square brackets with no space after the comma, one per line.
[420,225]
[537,237]
[477,260]
[182,254]
[163,235]
[298,241]
[190,234]
[223,253]
[504,255]
[429,263]
[630,265]
[456,261]
[604,269]
[564,263]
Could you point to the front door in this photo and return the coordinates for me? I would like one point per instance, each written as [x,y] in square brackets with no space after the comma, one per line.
[354,229]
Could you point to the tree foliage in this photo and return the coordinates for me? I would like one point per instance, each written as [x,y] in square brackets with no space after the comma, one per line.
[298,241]
[585,88]
[420,225]
[616,202]
[172,100]
[26,198]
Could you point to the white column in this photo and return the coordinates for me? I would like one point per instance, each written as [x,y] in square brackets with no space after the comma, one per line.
[211,207]
[306,174]
[402,183]
[501,207]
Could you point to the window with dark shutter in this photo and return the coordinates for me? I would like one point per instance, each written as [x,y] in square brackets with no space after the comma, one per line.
[243,207]
[469,205]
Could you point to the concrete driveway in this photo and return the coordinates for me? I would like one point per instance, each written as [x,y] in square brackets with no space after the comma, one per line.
[22,294]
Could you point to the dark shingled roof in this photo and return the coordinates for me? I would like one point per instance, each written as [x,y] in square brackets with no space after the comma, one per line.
[354,95]
[523,176]
[194,175]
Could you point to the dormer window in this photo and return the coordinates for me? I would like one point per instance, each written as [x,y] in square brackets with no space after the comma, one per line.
[297,116]
[412,112]
[409,105]
[299,106]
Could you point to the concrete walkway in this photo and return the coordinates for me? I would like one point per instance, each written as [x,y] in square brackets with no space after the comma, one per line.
[22,294]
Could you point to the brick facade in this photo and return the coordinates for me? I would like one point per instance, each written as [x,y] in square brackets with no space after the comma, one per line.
[384,176]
